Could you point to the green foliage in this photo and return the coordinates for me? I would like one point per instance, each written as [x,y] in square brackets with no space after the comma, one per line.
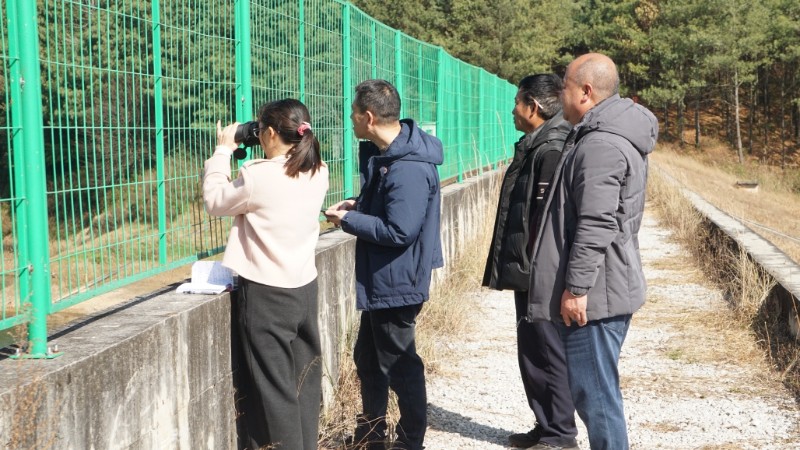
[511,38]
[670,53]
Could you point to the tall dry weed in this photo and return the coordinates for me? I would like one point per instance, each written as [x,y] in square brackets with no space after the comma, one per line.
[752,286]
[675,210]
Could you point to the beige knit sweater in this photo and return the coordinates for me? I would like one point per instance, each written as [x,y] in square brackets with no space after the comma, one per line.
[276,223]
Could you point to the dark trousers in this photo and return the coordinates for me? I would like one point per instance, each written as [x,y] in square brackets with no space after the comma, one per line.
[543,366]
[281,351]
[386,356]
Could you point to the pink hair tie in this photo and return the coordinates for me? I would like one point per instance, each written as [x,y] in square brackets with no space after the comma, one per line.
[303,127]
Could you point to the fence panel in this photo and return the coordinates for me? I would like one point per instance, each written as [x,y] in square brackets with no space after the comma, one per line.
[131,92]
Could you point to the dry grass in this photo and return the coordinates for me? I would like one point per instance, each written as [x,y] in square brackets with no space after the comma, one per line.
[338,420]
[774,206]
[723,339]
[748,290]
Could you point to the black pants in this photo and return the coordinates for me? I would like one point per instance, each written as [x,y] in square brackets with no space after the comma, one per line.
[386,356]
[281,348]
[543,366]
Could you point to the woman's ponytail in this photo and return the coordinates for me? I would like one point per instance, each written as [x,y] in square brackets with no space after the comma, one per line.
[290,119]
[305,155]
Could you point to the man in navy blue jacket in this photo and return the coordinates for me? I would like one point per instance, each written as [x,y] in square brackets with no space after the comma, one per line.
[396,220]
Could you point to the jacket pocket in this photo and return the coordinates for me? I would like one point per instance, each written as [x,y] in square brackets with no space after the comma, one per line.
[514,277]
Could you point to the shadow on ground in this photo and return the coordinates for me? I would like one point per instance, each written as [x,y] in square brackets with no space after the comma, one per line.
[452,422]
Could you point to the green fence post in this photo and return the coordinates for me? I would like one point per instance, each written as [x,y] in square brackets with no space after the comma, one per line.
[347,91]
[440,96]
[38,264]
[420,74]
[460,122]
[479,151]
[17,144]
[373,48]
[159,116]
[510,134]
[244,67]
[398,68]
[244,70]
[301,49]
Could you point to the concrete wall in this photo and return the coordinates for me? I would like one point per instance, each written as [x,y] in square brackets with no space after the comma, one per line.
[782,301]
[153,373]
[160,371]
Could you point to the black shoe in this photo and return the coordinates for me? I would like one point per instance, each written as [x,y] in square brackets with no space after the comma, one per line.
[525,440]
[543,446]
[400,445]
[369,434]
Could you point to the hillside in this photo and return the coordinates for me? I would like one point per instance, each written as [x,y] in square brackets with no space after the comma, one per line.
[771,210]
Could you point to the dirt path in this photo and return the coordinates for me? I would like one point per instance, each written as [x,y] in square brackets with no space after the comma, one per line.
[691,379]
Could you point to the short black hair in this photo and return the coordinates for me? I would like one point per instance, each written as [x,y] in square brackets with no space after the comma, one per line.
[543,88]
[380,98]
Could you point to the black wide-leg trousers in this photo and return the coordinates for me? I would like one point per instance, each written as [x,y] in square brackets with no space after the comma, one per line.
[281,350]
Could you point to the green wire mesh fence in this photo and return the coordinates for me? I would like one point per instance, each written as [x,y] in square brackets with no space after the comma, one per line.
[109,110]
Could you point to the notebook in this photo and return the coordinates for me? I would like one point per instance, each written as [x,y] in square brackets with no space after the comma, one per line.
[208,277]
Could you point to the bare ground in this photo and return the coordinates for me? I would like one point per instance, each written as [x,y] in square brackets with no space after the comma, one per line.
[691,377]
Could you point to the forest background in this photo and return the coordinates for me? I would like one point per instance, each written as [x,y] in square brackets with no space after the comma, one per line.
[721,74]
[727,69]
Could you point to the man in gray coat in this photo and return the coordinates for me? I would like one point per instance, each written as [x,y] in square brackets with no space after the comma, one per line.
[586,273]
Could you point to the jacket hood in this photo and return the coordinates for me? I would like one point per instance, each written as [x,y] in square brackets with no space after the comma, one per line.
[413,144]
[623,117]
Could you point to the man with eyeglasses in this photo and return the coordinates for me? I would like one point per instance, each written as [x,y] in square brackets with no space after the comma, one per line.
[542,364]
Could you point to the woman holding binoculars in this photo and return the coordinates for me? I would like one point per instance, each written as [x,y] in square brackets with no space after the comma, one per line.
[275,202]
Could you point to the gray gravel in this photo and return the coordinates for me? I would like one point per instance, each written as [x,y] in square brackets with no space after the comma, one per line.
[678,393]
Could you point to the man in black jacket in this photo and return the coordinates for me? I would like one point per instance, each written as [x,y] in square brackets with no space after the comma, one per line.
[542,363]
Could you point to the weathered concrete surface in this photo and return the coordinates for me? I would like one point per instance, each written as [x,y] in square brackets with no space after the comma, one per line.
[464,208]
[152,373]
[159,371]
[337,302]
[775,262]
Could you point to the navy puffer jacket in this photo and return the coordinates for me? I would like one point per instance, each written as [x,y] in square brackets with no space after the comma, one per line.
[396,220]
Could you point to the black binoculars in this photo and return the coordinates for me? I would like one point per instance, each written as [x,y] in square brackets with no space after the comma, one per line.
[247,135]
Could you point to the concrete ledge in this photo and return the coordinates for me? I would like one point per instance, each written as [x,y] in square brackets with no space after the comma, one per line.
[155,372]
[783,300]
[160,371]
[770,258]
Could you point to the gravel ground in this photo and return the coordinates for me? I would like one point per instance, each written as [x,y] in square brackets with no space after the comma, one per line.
[685,385]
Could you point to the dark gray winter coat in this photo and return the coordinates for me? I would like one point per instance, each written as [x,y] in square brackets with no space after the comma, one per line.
[588,240]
